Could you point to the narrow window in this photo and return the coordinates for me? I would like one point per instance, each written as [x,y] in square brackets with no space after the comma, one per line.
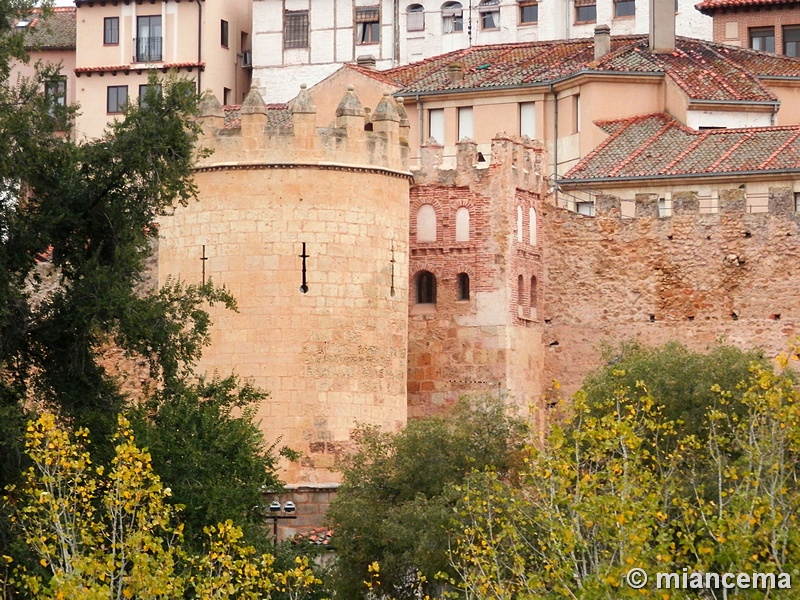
[624,8]
[436,124]
[489,14]
[426,223]
[111,30]
[585,11]
[528,12]
[368,25]
[532,225]
[295,29]
[797,202]
[463,286]
[576,113]
[415,18]
[116,98]
[226,96]
[520,290]
[519,224]
[426,288]
[55,90]
[527,119]
[462,224]
[148,38]
[223,33]
[452,17]
[762,38]
[465,122]
[791,41]
[534,290]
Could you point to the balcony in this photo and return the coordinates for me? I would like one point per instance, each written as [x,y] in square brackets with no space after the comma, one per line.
[147,49]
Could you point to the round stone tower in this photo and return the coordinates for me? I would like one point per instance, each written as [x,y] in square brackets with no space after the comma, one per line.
[308,229]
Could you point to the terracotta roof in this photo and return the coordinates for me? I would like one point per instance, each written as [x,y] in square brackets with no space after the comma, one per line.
[703,70]
[709,7]
[149,66]
[319,536]
[657,145]
[56,32]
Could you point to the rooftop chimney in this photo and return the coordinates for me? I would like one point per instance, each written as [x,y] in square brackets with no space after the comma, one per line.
[367,61]
[602,41]
[662,26]
[455,72]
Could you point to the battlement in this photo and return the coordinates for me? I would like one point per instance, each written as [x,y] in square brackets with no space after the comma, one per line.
[288,135]
[520,158]
[777,200]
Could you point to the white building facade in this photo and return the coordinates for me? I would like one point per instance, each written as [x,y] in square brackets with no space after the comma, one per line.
[304,41]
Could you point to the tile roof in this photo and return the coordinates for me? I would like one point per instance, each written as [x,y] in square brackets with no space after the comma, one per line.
[56,32]
[319,536]
[657,145]
[703,70]
[709,7]
[139,68]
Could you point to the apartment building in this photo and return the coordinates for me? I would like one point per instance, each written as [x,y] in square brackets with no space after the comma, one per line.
[119,44]
[772,26]
[304,41]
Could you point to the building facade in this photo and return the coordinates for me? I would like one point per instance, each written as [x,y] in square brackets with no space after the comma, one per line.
[766,26]
[304,41]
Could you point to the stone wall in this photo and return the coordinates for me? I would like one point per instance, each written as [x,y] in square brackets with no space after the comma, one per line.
[695,278]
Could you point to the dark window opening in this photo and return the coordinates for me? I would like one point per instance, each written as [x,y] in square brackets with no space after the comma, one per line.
[762,38]
[624,8]
[223,33]
[111,30]
[368,25]
[463,286]
[426,288]
[528,12]
[295,29]
[490,14]
[534,291]
[520,290]
[116,99]
[585,13]
[148,39]
[452,17]
[791,41]
[148,91]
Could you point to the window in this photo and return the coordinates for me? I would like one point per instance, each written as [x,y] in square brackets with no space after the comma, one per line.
[146,91]
[226,96]
[111,30]
[585,208]
[426,223]
[465,122]
[534,290]
[223,33]
[585,11]
[462,280]
[797,202]
[368,25]
[528,12]
[532,226]
[791,41]
[527,119]
[762,38]
[148,39]
[624,8]
[576,113]
[490,14]
[520,290]
[55,90]
[415,18]
[462,224]
[426,288]
[117,98]
[295,29]
[519,224]
[436,124]
[452,17]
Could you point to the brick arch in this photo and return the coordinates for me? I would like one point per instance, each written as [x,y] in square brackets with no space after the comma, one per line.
[433,201]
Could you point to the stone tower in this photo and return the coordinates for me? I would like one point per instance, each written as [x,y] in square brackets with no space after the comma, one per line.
[308,228]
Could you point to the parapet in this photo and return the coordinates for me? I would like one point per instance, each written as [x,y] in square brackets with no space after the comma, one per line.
[519,159]
[287,134]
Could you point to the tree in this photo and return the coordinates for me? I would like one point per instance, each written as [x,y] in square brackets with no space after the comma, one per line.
[110,533]
[394,504]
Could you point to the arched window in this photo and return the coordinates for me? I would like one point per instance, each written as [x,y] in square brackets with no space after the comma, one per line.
[463,286]
[415,17]
[426,223]
[426,288]
[520,290]
[462,224]
[519,224]
[452,17]
[532,225]
[534,291]
[490,14]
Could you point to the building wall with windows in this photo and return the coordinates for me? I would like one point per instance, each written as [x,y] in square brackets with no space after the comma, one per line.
[474,276]
[304,41]
[747,24]
[119,44]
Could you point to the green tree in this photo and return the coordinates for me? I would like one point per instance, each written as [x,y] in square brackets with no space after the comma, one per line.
[394,505]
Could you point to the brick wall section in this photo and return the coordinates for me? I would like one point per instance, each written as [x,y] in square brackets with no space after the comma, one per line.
[695,278]
[483,344]
[732,27]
